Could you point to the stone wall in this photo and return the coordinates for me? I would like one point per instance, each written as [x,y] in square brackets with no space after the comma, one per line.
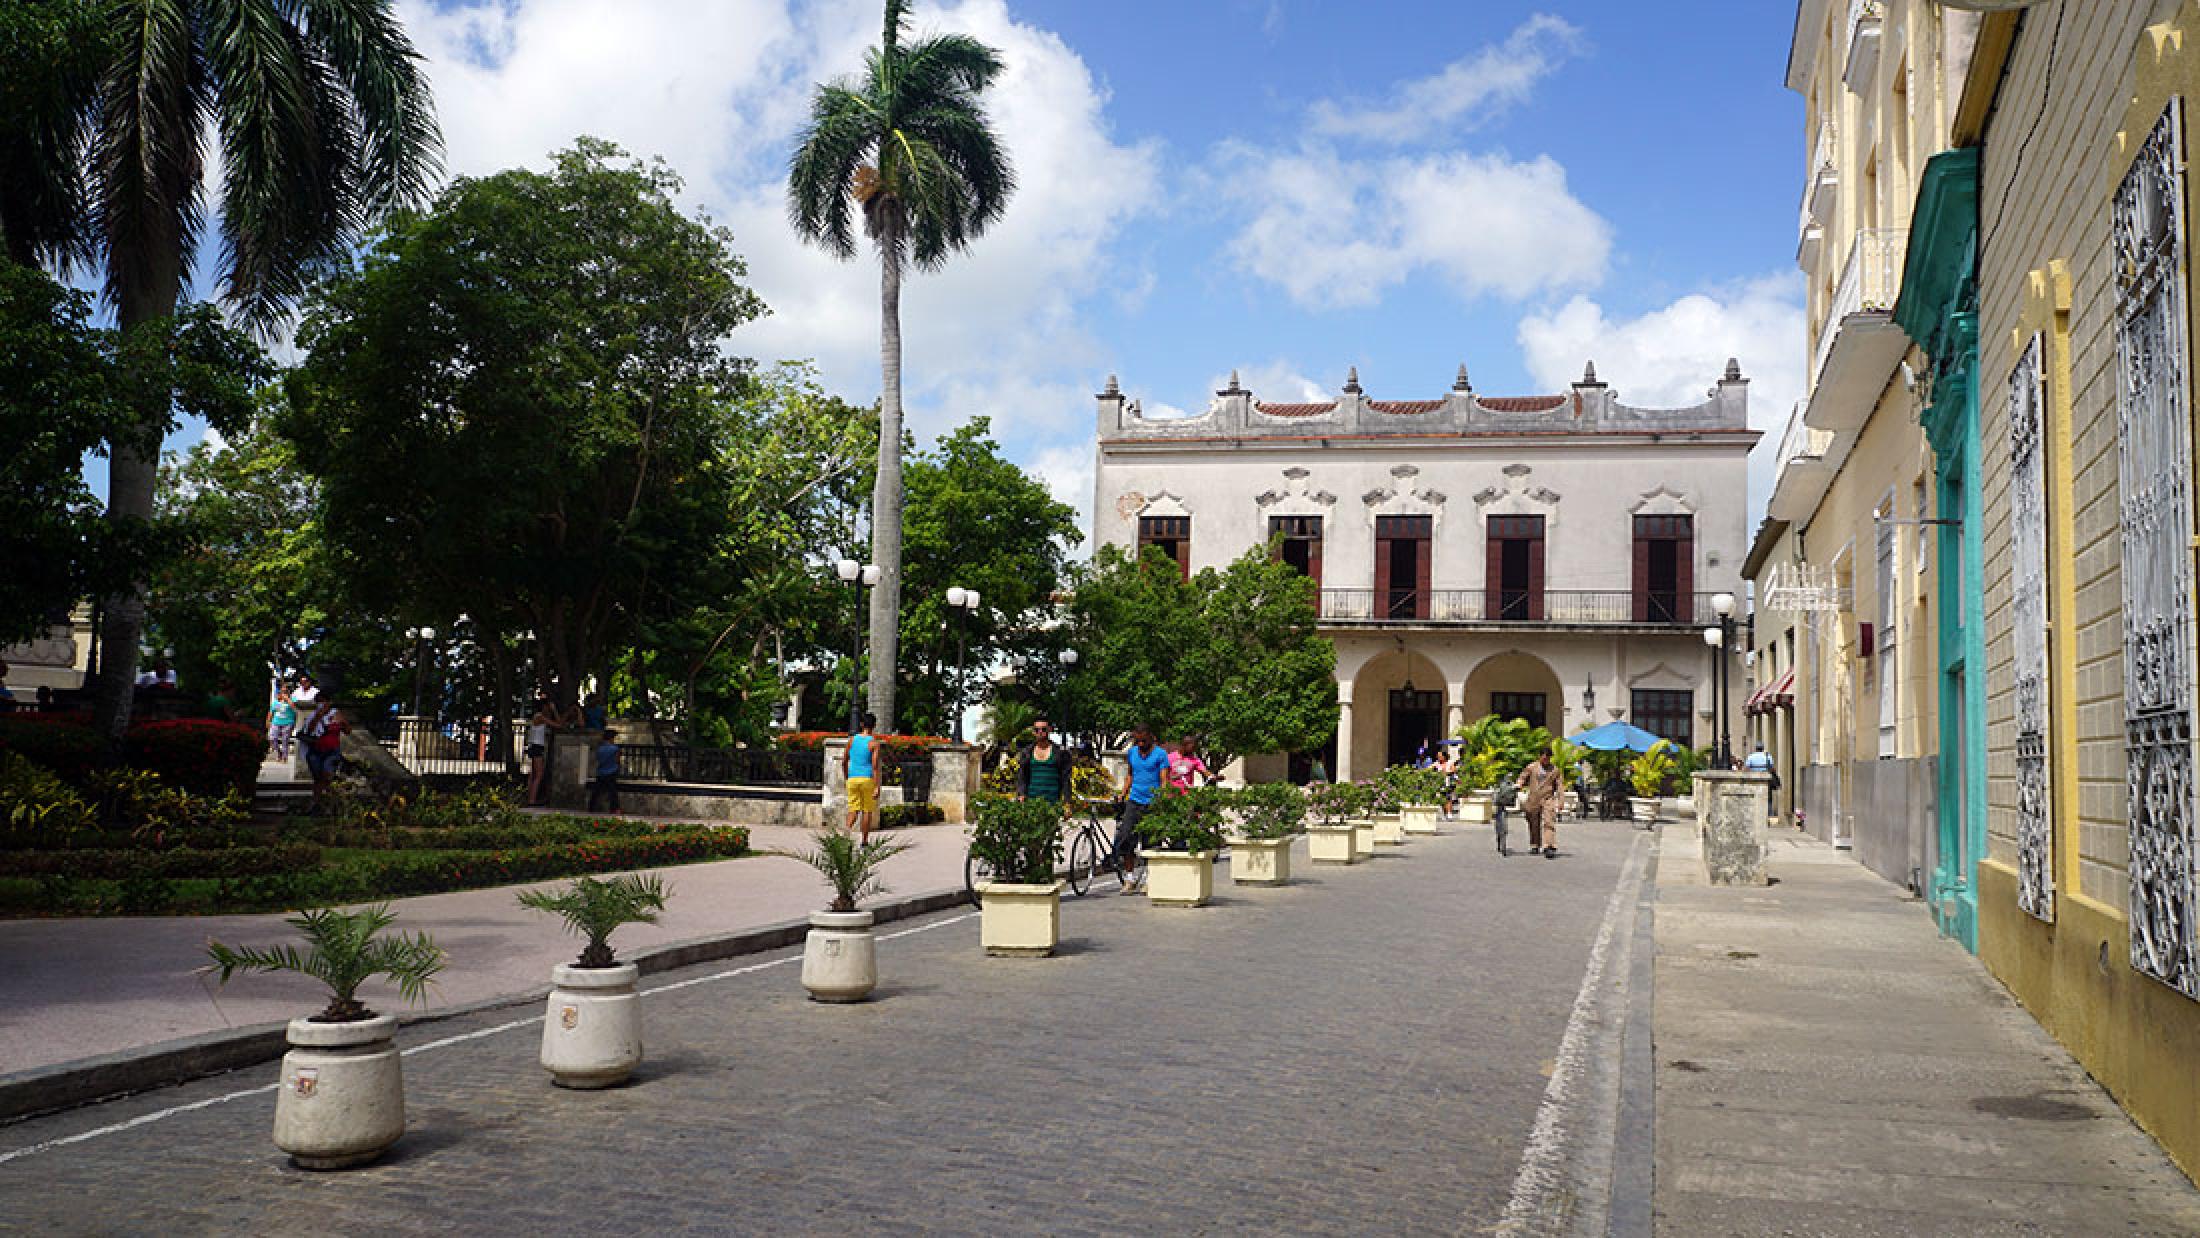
[1894,827]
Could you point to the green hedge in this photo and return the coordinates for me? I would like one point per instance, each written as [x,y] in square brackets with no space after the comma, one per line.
[895,816]
[547,831]
[360,878]
[117,865]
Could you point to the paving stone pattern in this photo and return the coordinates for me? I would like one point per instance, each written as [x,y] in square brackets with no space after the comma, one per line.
[1362,1051]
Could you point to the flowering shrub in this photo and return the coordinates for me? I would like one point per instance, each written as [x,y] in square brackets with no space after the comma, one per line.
[201,755]
[895,748]
[59,743]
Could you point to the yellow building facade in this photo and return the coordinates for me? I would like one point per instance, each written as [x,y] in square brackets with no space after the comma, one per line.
[1843,658]
[2090,886]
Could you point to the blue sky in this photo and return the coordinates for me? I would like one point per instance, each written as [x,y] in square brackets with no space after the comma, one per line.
[1285,187]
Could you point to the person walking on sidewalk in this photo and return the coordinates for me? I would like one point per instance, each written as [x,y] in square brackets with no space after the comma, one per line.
[1149,767]
[323,736]
[539,725]
[1186,770]
[606,786]
[1042,770]
[859,766]
[282,721]
[1542,786]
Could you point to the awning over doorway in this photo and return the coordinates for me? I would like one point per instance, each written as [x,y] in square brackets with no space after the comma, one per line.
[1779,694]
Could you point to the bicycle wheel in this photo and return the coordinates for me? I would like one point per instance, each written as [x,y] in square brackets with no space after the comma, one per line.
[1084,859]
[975,870]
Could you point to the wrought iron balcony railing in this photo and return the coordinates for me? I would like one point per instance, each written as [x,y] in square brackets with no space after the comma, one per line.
[1618,607]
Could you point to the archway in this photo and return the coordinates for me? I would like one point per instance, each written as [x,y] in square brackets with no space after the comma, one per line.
[1397,705]
[1517,685]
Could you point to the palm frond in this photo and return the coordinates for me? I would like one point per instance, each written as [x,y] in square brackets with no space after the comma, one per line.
[944,65]
[399,144]
[594,908]
[146,151]
[849,865]
[51,56]
[344,949]
[821,175]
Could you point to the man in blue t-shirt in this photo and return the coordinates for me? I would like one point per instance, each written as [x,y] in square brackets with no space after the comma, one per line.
[1149,766]
[606,786]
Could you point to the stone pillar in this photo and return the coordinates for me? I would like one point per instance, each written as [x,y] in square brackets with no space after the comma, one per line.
[1343,772]
[1455,708]
[572,756]
[956,770]
[834,793]
[1731,808]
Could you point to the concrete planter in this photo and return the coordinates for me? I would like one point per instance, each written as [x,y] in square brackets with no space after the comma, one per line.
[592,1030]
[1645,810]
[1020,921]
[1363,839]
[1331,844]
[1477,808]
[839,958]
[1261,861]
[1390,830]
[342,1097]
[1418,818]
[1180,878]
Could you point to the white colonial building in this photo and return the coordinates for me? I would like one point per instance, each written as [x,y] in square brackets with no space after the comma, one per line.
[1548,557]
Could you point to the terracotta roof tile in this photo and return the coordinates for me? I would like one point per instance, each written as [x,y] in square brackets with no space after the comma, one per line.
[1405,406]
[1521,403]
[1295,410]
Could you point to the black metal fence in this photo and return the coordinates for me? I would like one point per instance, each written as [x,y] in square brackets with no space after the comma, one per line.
[914,777]
[454,746]
[745,767]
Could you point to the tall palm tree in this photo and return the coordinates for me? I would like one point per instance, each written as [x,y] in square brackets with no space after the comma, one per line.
[51,54]
[324,124]
[907,143]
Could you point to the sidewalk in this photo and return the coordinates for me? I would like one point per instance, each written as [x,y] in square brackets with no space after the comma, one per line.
[74,989]
[1827,1064]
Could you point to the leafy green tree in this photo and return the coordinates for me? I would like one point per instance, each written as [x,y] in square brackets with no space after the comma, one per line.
[251,583]
[976,521]
[1231,656]
[519,407]
[66,389]
[907,143]
[320,115]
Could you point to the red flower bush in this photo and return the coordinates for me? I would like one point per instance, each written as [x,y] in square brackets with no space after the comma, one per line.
[61,744]
[201,755]
[895,748]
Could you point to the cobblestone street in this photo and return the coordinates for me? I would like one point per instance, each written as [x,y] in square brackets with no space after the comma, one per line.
[1363,1051]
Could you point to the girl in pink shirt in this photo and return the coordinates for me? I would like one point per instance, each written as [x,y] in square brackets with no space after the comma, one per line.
[1185,767]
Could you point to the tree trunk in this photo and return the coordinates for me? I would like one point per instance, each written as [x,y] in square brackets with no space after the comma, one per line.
[886,496]
[131,476]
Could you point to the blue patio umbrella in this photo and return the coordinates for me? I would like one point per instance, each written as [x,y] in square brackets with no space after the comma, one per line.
[1615,737]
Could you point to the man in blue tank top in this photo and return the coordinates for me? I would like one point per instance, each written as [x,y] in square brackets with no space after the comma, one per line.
[1149,765]
[859,765]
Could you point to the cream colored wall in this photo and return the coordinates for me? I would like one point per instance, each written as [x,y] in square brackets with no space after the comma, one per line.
[2060,209]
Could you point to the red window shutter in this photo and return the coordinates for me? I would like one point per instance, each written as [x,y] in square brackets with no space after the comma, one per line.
[1535,573]
[1493,569]
[1642,572]
[1314,555]
[1421,548]
[1184,550]
[1382,571]
[1684,555]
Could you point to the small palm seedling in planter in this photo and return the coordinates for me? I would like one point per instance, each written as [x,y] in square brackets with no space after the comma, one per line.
[341,1101]
[839,959]
[1269,815]
[1338,808]
[1018,843]
[592,1031]
[1182,832]
[1649,773]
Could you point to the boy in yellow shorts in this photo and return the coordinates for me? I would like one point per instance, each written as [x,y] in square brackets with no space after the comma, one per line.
[859,765]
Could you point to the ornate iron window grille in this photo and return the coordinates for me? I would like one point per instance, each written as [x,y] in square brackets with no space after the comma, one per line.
[2028,499]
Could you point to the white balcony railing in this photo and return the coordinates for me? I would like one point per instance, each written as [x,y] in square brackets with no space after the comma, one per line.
[1871,279]
[1800,441]
[1863,61]
[1823,176]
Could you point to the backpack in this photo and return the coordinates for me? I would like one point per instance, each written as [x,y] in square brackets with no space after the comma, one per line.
[1508,795]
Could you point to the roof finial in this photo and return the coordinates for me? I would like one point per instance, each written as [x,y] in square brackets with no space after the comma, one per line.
[1352,380]
[1460,383]
[1733,369]
[1589,374]
[1113,389]
[1233,388]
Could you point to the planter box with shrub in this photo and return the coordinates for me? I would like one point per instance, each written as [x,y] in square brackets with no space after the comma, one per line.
[1019,842]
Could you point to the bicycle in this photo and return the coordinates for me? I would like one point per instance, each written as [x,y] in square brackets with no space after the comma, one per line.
[1093,846]
[1090,847]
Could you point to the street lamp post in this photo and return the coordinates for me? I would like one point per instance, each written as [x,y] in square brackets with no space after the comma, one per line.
[964,601]
[857,576]
[1721,640]
[1068,658]
[420,638]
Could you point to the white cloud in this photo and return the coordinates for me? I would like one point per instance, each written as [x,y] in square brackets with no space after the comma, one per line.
[1068,474]
[1464,93]
[1331,230]
[1670,355]
[720,90]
